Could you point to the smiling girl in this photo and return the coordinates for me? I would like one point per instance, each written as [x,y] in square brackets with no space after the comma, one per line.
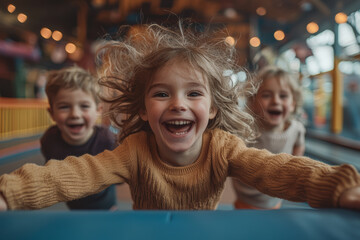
[276,104]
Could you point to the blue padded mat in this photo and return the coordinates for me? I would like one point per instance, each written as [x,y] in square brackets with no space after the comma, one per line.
[241,224]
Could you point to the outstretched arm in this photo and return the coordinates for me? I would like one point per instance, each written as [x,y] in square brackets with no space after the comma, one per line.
[297,178]
[34,187]
[299,150]
[3,204]
[350,198]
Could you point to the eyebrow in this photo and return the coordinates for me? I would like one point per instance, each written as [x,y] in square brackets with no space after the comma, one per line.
[195,84]
[69,102]
[156,85]
[191,84]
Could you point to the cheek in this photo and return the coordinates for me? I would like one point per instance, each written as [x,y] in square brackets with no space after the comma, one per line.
[153,110]
[59,116]
[92,119]
[93,116]
[292,107]
[263,102]
[204,109]
[258,107]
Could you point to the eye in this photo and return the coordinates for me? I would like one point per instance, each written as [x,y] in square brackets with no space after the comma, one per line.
[284,96]
[63,107]
[160,94]
[265,95]
[85,106]
[195,94]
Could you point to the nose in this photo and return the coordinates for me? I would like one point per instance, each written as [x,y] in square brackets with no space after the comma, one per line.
[177,104]
[75,112]
[276,99]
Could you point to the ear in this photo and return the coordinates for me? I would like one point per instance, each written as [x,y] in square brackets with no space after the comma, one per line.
[99,108]
[143,115]
[213,112]
[51,113]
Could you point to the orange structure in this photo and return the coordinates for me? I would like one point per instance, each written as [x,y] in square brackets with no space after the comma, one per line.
[23,117]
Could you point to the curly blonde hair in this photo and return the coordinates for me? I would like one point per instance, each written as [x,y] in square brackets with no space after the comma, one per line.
[126,66]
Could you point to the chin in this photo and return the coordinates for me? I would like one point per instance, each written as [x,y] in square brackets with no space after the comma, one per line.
[179,149]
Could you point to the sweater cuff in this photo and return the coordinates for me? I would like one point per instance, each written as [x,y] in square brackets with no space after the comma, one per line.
[3,192]
[325,191]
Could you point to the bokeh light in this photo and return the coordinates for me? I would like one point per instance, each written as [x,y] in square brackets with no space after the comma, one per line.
[70,48]
[312,27]
[11,8]
[230,40]
[340,18]
[255,41]
[57,35]
[21,17]
[45,33]
[261,11]
[279,35]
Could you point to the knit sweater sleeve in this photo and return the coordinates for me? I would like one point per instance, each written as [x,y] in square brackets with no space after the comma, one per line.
[33,186]
[289,177]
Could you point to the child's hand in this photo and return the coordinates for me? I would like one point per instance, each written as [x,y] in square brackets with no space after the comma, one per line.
[350,198]
[3,205]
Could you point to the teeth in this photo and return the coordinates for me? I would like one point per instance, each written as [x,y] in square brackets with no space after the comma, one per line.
[180,133]
[178,122]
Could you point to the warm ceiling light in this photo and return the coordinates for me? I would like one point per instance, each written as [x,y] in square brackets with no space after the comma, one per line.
[279,35]
[21,17]
[11,8]
[70,48]
[57,35]
[45,33]
[230,40]
[254,42]
[340,18]
[261,11]
[312,27]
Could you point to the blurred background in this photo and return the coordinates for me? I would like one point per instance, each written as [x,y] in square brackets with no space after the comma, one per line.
[317,40]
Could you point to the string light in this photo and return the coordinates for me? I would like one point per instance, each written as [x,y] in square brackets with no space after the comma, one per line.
[312,27]
[70,48]
[340,18]
[279,35]
[230,40]
[255,42]
[57,35]
[21,17]
[261,11]
[45,33]
[11,8]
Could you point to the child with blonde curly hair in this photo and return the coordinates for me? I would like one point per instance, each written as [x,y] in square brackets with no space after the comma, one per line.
[276,106]
[181,136]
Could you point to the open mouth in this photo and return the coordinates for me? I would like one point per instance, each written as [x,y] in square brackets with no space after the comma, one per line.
[75,127]
[179,127]
[274,112]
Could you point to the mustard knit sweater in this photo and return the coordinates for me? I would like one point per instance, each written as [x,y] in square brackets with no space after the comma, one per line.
[157,185]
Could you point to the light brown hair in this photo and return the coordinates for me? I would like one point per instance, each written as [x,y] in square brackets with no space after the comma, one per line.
[127,66]
[72,77]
